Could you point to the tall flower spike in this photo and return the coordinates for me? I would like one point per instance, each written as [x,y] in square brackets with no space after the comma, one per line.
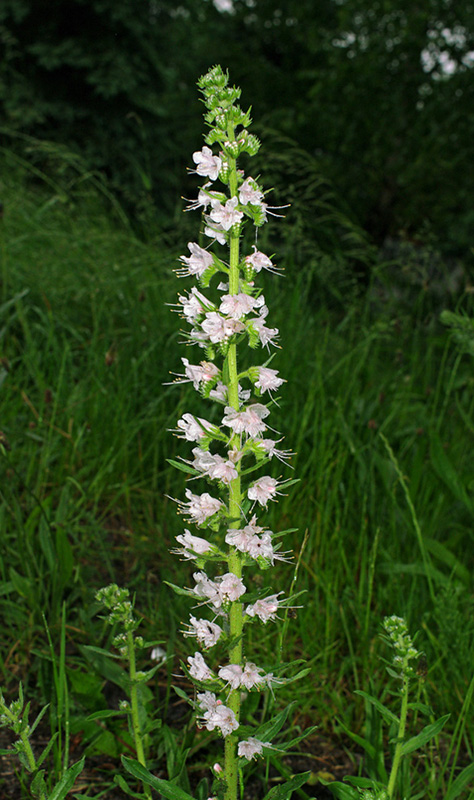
[232,314]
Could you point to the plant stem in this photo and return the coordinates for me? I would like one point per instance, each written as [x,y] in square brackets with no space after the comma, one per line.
[137,736]
[400,737]
[234,560]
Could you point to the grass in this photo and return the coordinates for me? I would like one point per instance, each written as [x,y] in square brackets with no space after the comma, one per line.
[378,407]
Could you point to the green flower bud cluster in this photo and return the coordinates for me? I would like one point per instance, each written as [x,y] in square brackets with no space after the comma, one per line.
[401,641]
[219,99]
[117,602]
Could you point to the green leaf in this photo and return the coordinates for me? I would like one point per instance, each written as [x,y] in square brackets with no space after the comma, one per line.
[120,781]
[388,715]
[424,736]
[341,790]
[268,730]
[67,781]
[183,467]
[105,714]
[461,781]
[180,590]
[447,472]
[285,790]
[307,732]
[367,746]
[167,789]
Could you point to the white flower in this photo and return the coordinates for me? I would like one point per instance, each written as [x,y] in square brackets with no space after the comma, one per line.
[203,199]
[268,379]
[251,748]
[158,654]
[192,545]
[265,609]
[208,165]
[239,539]
[250,192]
[196,263]
[207,588]
[193,429]
[200,507]
[198,668]
[269,448]
[226,216]
[237,305]
[231,674]
[263,490]
[207,633]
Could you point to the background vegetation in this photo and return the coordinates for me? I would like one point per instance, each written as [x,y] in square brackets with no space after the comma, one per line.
[365,114]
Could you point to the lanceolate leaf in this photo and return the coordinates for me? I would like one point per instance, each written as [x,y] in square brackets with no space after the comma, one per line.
[424,736]
[464,777]
[285,790]
[67,781]
[388,715]
[165,788]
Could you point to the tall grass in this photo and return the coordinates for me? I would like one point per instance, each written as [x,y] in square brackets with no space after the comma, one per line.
[379,407]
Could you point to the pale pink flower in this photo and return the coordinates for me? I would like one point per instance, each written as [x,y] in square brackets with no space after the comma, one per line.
[239,539]
[222,718]
[194,305]
[261,546]
[198,668]
[200,507]
[207,633]
[204,199]
[265,334]
[248,421]
[252,676]
[219,328]
[268,379]
[259,261]
[215,231]
[214,465]
[231,587]
[269,448]
[192,545]
[200,373]
[249,192]
[219,392]
[231,674]
[226,216]
[207,588]
[265,609]
[208,700]
[237,305]
[263,490]
[251,748]
[193,429]
[208,165]
[196,263]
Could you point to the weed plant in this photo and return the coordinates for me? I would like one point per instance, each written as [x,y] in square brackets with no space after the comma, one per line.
[378,407]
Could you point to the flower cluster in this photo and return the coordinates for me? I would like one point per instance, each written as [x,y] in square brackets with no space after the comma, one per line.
[227,311]
[397,635]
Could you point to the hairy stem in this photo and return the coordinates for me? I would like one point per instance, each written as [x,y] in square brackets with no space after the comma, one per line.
[400,737]
[234,559]
[137,735]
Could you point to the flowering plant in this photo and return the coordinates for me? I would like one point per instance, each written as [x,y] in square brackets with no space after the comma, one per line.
[230,314]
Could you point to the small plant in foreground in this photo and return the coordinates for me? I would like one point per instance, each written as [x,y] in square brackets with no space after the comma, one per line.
[228,323]
[15,717]
[381,785]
